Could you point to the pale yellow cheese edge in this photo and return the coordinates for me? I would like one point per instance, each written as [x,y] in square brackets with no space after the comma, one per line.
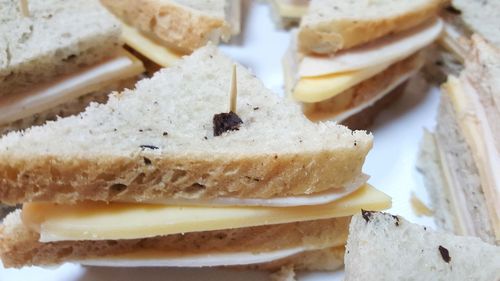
[147,47]
[98,221]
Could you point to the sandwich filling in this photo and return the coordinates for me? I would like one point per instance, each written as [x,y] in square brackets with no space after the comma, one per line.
[365,94]
[321,78]
[477,132]
[95,222]
[68,87]
[101,221]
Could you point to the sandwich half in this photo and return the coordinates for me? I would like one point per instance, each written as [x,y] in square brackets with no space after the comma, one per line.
[460,160]
[342,61]
[386,247]
[164,175]
[163,31]
[57,59]
[288,13]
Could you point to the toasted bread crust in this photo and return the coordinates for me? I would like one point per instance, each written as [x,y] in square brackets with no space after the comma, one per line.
[19,245]
[133,179]
[336,34]
[179,27]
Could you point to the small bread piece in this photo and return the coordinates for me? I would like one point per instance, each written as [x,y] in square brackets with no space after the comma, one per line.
[19,245]
[386,247]
[181,24]
[59,37]
[330,26]
[157,142]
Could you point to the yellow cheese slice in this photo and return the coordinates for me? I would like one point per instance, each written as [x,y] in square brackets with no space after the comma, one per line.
[316,89]
[66,88]
[101,221]
[152,50]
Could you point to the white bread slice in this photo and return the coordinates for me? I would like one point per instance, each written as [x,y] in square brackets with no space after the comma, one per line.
[184,25]
[58,37]
[156,142]
[330,26]
[19,246]
[386,247]
[479,17]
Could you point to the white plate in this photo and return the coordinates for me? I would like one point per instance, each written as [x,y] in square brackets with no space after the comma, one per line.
[391,163]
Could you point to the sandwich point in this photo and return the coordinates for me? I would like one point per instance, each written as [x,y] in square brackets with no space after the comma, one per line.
[145,196]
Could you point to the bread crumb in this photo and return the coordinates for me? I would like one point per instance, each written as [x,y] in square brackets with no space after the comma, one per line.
[419,208]
[286,273]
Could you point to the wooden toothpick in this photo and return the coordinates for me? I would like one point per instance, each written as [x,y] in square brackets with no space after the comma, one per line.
[24,8]
[234,92]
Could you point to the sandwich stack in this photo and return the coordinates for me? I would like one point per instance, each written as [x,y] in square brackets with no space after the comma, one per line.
[164,175]
[386,247]
[460,160]
[163,31]
[57,57]
[343,64]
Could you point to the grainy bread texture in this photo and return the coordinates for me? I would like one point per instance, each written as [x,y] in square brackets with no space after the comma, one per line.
[385,247]
[330,26]
[59,37]
[480,17]
[19,245]
[182,24]
[157,141]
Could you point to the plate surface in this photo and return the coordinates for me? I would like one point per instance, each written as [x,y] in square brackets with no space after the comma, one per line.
[391,163]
